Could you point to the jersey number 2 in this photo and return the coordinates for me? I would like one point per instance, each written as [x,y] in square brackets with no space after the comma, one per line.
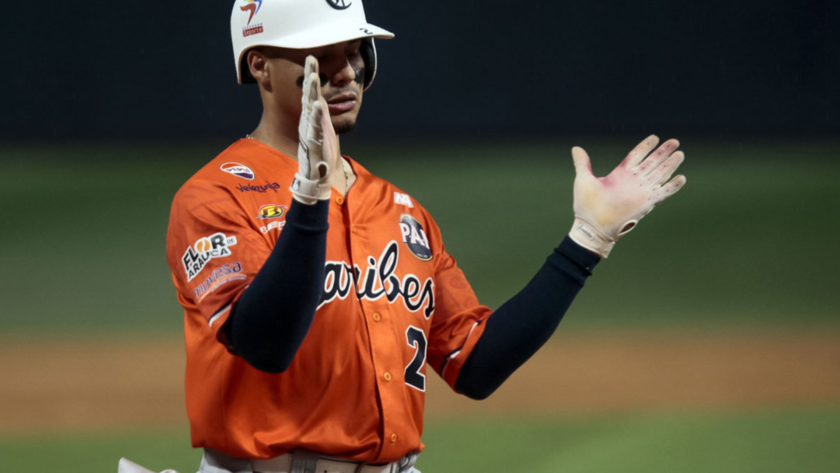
[417,340]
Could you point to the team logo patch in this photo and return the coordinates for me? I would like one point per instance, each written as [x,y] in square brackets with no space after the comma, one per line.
[238,170]
[272,211]
[205,249]
[415,238]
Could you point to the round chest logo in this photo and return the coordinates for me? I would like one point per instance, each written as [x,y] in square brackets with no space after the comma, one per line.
[339,4]
[238,170]
[415,238]
[272,211]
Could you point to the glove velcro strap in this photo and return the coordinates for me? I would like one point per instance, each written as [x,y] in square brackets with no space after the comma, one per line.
[309,192]
[588,237]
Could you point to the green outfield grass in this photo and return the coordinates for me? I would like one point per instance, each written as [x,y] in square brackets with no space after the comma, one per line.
[780,441]
[749,242]
[783,441]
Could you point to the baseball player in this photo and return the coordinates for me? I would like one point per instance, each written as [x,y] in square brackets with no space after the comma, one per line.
[316,294]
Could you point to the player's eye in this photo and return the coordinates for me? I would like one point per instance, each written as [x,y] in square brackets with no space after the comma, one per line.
[353,48]
[320,54]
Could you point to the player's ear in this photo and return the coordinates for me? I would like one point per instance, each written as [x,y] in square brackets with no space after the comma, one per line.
[257,66]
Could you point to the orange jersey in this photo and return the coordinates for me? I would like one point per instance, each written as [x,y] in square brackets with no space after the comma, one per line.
[393,301]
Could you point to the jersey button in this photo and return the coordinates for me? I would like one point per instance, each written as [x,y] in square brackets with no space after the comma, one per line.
[393,438]
[353,229]
[376,317]
[339,200]
[388,376]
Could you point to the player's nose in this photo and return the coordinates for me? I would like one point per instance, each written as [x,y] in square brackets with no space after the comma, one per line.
[344,74]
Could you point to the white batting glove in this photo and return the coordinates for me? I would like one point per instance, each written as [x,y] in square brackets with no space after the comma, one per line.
[318,145]
[608,207]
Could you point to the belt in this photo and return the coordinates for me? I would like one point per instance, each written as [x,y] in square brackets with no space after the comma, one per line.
[300,461]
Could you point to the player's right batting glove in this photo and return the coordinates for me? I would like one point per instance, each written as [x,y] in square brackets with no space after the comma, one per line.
[318,145]
[608,207]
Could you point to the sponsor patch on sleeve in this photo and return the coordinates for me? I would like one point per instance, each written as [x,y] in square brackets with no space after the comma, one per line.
[205,249]
[268,211]
[219,276]
[272,216]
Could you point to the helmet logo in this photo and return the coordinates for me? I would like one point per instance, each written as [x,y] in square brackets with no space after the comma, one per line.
[253,6]
[339,4]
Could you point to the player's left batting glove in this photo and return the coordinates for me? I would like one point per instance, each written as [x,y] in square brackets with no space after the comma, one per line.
[318,145]
[608,207]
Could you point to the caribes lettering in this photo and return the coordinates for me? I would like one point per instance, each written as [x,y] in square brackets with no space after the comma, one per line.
[379,280]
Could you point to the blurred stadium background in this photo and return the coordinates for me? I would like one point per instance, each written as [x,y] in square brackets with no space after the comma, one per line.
[710,341]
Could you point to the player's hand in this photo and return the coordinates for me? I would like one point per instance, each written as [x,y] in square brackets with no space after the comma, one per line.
[318,145]
[608,207]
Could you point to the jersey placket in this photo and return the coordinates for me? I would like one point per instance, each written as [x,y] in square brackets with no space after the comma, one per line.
[385,352]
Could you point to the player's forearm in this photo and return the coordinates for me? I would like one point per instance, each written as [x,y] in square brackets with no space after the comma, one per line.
[273,316]
[525,322]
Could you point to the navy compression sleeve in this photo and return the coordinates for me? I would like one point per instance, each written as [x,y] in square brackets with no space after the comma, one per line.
[525,322]
[269,322]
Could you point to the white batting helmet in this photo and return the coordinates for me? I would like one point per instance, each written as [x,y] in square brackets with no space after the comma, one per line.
[301,24]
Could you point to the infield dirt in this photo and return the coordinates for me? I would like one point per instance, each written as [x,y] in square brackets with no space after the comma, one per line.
[92,384]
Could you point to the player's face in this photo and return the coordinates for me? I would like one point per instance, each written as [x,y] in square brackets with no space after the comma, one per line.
[342,72]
